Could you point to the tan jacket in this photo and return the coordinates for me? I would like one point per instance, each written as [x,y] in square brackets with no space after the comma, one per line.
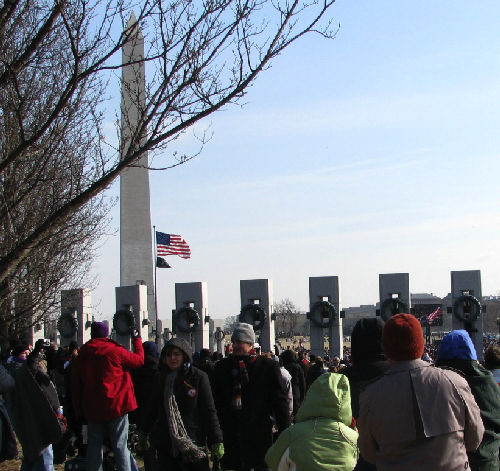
[418,417]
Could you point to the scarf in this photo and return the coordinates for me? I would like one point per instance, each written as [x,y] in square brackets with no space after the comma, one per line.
[240,377]
[181,442]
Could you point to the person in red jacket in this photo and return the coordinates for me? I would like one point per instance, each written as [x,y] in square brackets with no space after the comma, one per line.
[103,394]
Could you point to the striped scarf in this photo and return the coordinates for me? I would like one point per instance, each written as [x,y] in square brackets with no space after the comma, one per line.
[240,377]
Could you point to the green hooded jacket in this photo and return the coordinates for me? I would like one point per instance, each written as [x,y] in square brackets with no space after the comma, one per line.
[321,438]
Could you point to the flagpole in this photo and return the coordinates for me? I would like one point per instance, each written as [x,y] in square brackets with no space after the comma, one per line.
[156,294]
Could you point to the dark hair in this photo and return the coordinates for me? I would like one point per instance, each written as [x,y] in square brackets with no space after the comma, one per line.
[215,356]
[169,348]
[18,349]
[492,357]
[204,354]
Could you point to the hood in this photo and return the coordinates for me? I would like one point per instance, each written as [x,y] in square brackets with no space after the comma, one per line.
[366,340]
[457,345]
[329,396]
[182,345]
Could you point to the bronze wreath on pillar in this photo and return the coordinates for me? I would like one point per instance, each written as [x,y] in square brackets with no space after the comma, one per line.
[392,306]
[320,311]
[469,302]
[123,322]
[67,325]
[187,319]
[253,314]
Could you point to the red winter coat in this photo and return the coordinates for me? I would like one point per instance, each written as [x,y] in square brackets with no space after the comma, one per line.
[101,386]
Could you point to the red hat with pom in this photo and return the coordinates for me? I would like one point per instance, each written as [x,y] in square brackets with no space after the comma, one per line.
[402,338]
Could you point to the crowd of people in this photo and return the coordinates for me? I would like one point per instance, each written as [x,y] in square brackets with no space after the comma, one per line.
[391,404]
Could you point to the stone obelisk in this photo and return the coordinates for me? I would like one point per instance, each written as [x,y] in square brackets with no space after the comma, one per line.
[136,245]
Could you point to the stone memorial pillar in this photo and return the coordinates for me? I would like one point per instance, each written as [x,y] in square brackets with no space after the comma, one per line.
[76,316]
[325,312]
[191,315]
[131,313]
[219,339]
[157,333]
[211,337]
[257,309]
[466,306]
[394,290]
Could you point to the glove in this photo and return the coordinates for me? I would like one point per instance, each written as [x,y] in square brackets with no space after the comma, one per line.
[135,334]
[217,451]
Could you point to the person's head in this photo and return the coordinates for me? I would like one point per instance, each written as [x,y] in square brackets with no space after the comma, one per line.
[492,357]
[150,349]
[21,351]
[98,330]
[456,345]
[402,338]
[177,353]
[366,339]
[215,356]
[288,356]
[243,339]
[204,354]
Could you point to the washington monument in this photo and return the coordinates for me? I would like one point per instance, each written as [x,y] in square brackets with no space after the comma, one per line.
[136,248]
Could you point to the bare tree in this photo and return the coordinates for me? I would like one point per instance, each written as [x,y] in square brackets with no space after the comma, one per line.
[229,323]
[287,317]
[42,177]
[57,61]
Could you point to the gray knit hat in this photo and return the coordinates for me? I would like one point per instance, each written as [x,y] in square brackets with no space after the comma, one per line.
[243,333]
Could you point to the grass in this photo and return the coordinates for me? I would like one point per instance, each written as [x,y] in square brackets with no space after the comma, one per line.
[15,465]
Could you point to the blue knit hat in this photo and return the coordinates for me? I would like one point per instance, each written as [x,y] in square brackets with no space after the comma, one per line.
[150,349]
[457,345]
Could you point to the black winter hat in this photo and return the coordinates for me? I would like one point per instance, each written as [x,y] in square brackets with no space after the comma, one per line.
[288,356]
[366,339]
[182,345]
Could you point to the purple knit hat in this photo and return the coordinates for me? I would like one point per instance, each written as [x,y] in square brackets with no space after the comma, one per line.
[98,330]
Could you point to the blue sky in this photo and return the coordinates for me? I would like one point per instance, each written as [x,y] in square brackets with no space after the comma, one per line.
[376,152]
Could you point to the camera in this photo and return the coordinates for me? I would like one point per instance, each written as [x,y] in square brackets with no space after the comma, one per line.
[46,342]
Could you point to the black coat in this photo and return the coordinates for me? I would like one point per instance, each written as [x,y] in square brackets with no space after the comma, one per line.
[248,432]
[314,372]
[298,383]
[361,374]
[196,406]
[144,380]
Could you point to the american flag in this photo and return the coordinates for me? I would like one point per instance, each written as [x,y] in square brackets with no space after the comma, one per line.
[171,244]
[434,315]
